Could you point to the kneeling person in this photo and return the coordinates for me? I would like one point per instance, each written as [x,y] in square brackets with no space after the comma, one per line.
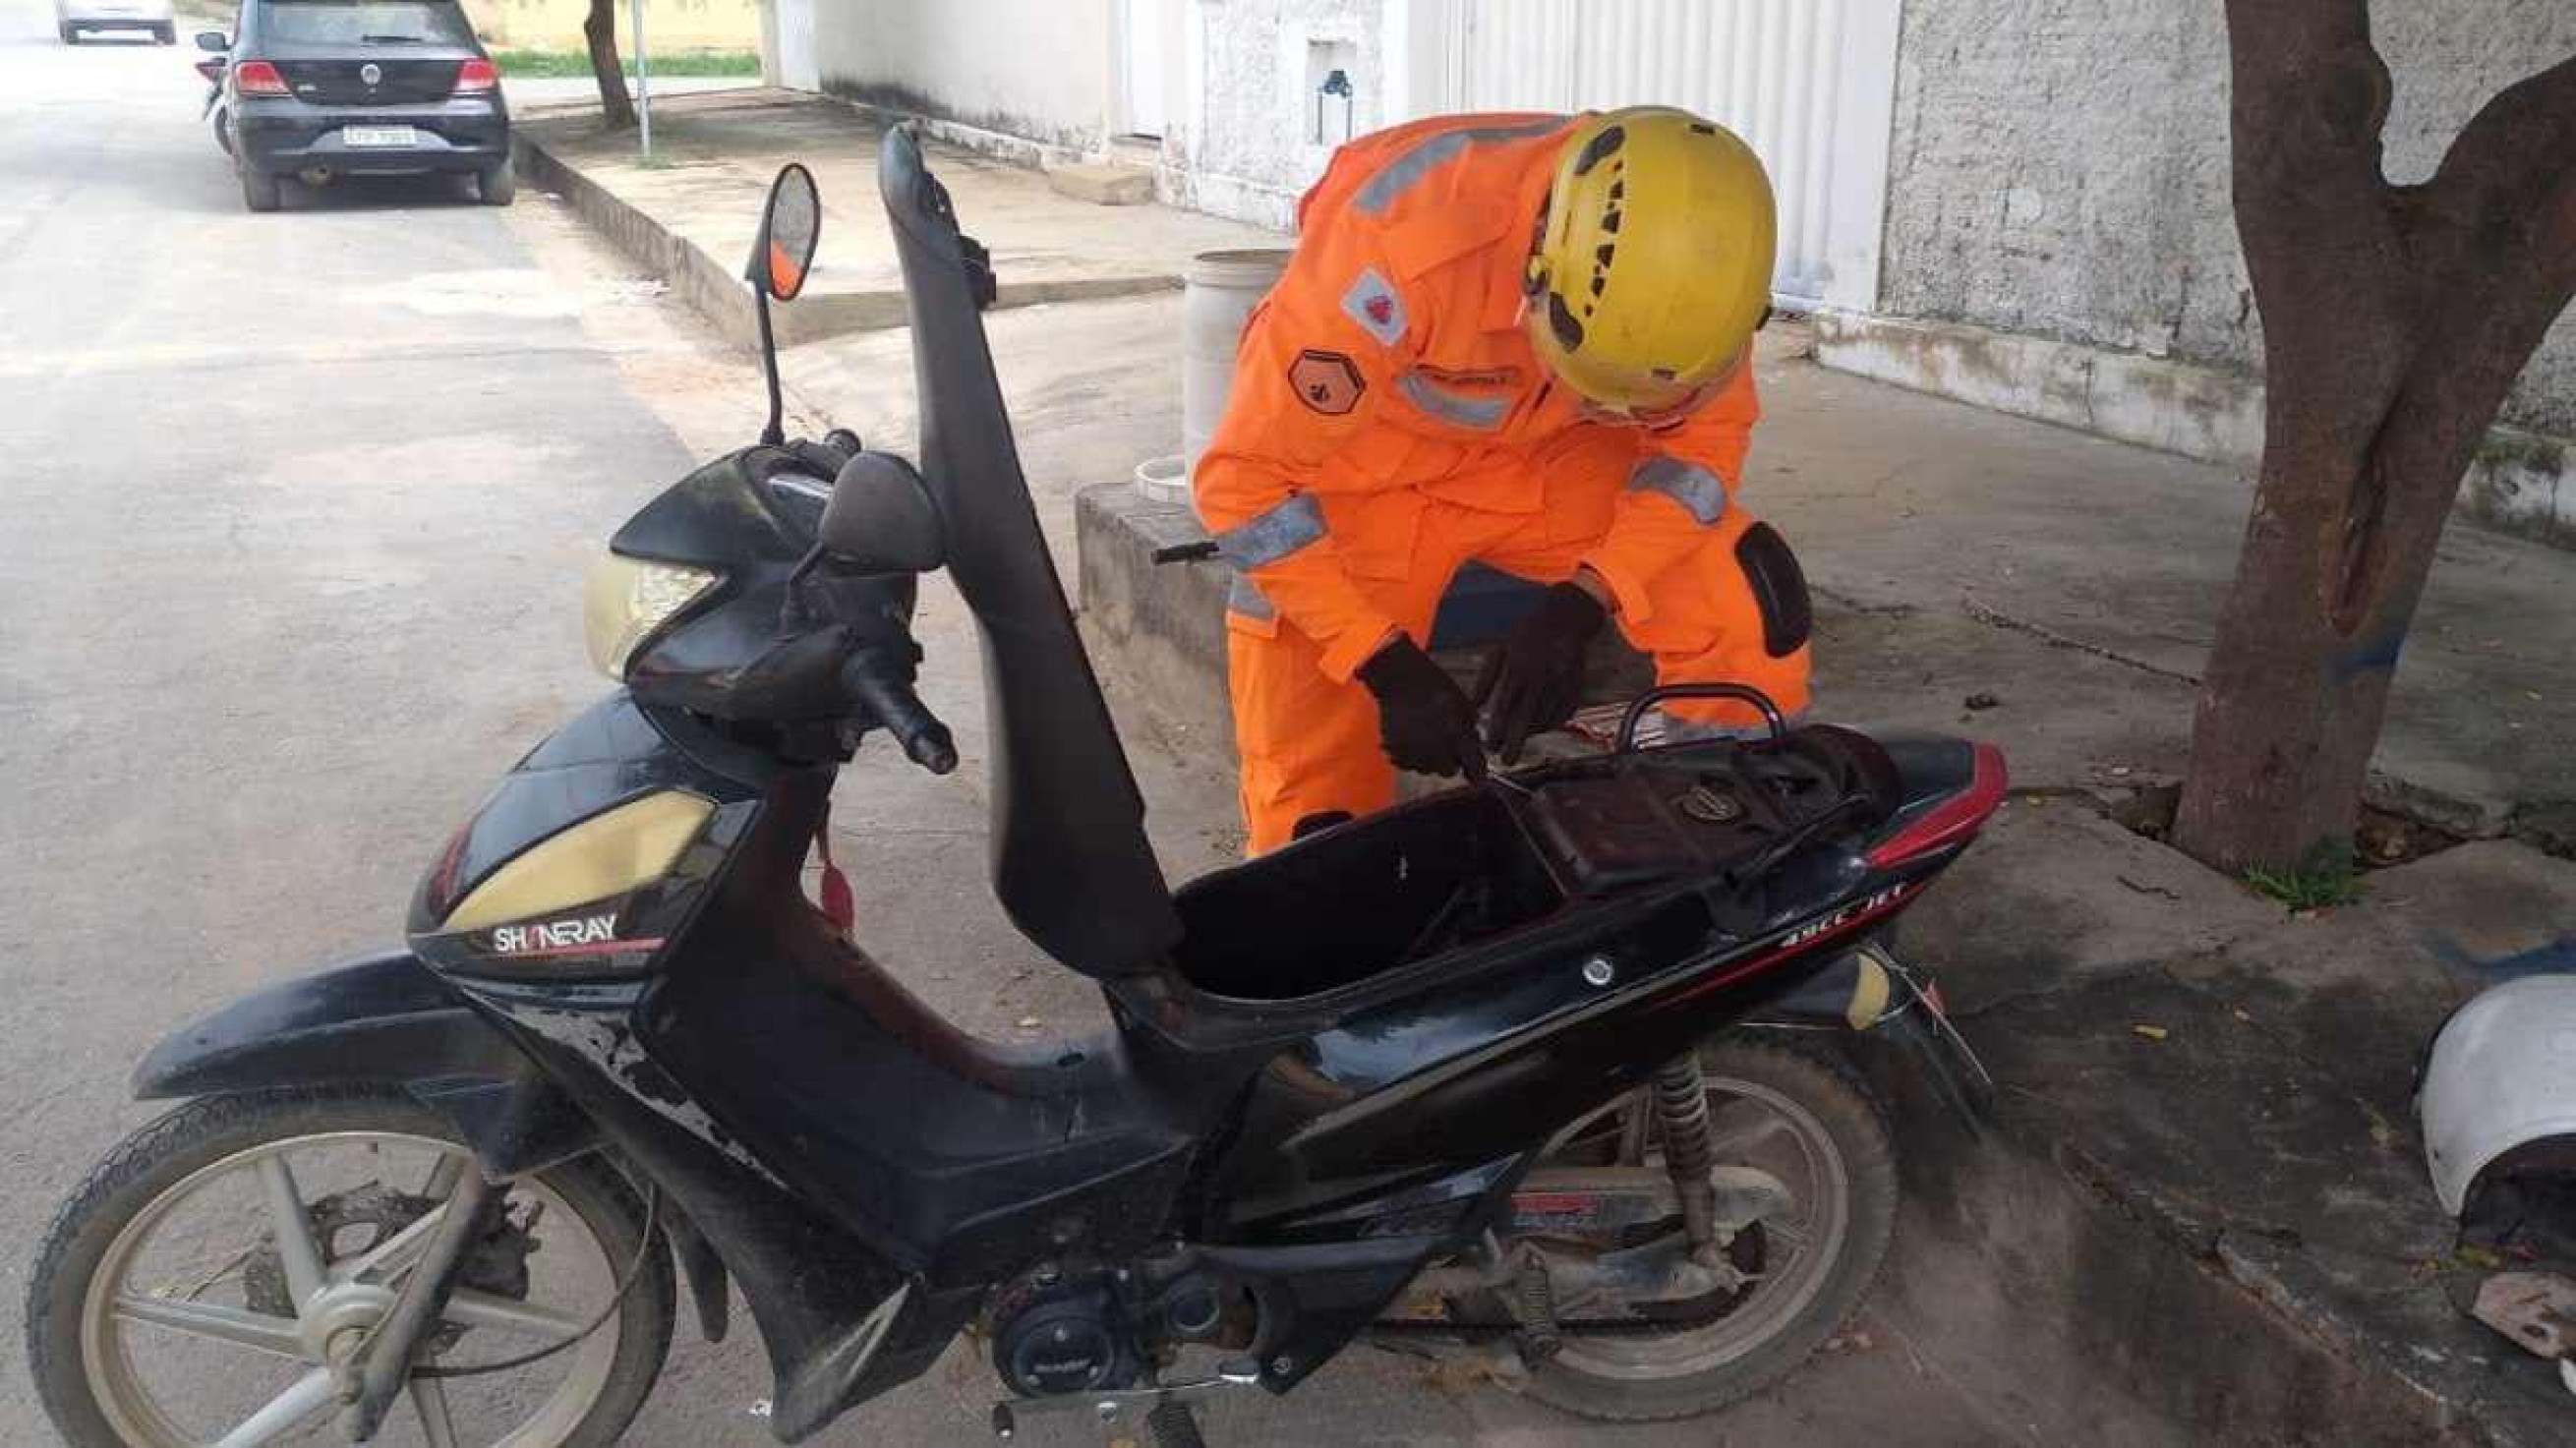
[1519,340]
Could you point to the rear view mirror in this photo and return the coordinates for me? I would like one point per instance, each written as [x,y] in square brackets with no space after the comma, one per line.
[881,519]
[789,227]
[213,41]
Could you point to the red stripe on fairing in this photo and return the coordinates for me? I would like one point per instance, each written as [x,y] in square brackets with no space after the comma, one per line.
[596,947]
[1763,962]
[1952,821]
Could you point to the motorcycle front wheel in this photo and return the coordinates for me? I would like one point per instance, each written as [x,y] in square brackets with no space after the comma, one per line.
[202,1282]
[1805,1119]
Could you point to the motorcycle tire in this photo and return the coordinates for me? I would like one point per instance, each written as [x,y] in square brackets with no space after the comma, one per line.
[1838,1118]
[164,1155]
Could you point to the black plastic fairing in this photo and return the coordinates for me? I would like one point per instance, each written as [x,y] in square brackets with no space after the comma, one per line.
[382,1020]
[1071,863]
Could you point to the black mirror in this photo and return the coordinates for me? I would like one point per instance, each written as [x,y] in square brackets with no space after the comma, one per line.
[881,519]
[789,227]
[214,41]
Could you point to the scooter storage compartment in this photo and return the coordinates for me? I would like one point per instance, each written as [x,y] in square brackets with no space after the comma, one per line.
[1341,906]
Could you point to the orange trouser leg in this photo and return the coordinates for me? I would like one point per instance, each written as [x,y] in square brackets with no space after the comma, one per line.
[1703,625]
[1706,628]
[1308,744]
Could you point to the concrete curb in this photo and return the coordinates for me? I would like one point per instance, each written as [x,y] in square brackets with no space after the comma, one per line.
[714,291]
[720,295]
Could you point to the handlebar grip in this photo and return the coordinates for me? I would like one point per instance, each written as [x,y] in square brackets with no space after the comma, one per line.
[925,740]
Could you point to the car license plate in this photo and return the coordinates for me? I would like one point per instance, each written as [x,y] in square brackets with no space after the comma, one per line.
[380,135]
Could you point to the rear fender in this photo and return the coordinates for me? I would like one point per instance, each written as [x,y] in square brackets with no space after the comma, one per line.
[382,1020]
[1878,1000]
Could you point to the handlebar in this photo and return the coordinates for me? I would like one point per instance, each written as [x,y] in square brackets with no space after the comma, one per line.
[884,696]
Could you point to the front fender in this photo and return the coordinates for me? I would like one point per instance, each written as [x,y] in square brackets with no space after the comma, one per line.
[382,1020]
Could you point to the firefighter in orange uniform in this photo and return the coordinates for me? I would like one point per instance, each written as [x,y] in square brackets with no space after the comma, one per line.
[1519,339]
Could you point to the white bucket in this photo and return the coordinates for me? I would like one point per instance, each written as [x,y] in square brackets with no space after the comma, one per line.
[1222,289]
[1164,479]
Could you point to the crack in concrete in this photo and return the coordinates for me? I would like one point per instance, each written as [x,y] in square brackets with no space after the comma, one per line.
[1997,618]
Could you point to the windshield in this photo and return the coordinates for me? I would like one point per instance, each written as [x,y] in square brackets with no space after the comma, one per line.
[367,22]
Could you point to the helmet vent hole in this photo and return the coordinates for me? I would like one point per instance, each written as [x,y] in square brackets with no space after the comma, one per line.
[1561,322]
[1598,282]
[1618,192]
[1610,221]
[1703,128]
[1599,148]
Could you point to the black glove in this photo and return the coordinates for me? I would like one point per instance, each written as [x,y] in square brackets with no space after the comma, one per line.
[1424,719]
[1535,679]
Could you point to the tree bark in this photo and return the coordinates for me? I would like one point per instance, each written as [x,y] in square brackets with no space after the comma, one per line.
[600,29]
[2395,319]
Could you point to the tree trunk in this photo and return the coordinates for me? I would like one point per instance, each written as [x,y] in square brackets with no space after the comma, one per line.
[2395,318]
[600,29]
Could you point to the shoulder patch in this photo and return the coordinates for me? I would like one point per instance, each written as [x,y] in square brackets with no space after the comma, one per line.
[1373,304]
[1326,382]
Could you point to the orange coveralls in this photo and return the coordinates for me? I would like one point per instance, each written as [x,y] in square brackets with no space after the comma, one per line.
[1390,422]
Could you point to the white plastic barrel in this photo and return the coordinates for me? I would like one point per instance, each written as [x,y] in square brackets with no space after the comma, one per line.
[1221,289]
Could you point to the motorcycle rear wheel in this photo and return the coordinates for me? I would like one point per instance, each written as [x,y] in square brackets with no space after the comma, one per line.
[1805,1116]
[210,1176]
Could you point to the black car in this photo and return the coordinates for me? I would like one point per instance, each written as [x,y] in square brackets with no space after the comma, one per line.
[327,88]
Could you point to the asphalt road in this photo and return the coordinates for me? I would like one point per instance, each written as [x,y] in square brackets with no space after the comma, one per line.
[293,511]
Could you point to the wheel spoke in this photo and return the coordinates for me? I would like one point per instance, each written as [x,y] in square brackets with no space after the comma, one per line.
[429,1400]
[308,1395]
[254,1330]
[393,1256]
[1727,1142]
[483,1309]
[296,1249]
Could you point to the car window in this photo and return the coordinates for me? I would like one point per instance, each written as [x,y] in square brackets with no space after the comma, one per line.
[366,22]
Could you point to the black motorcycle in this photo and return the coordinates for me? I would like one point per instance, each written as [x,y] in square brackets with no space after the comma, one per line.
[1557,1073]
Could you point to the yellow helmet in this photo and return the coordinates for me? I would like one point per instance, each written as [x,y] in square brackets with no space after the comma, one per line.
[1652,267]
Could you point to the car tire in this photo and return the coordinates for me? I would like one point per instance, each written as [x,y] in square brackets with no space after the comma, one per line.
[165,35]
[497,184]
[260,190]
[69,32]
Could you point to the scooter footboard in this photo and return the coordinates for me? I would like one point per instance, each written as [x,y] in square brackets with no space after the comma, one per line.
[381,1020]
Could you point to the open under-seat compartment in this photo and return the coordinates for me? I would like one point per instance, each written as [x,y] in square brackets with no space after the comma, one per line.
[1458,868]
[1349,903]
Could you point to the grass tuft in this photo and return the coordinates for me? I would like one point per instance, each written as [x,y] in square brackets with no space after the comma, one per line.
[549,63]
[2324,878]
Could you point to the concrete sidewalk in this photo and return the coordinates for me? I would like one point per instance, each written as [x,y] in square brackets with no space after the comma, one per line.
[693,212]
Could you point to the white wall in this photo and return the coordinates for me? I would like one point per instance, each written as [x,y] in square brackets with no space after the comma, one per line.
[1041,69]
[2061,168]
[1242,142]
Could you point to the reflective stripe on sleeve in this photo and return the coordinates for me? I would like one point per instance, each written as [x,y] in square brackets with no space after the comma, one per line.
[1696,488]
[1245,597]
[1273,535]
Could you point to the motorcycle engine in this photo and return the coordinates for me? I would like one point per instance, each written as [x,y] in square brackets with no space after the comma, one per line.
[1067,1337]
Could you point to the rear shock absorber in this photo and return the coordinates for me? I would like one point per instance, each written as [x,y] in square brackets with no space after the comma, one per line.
[1681,1112]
